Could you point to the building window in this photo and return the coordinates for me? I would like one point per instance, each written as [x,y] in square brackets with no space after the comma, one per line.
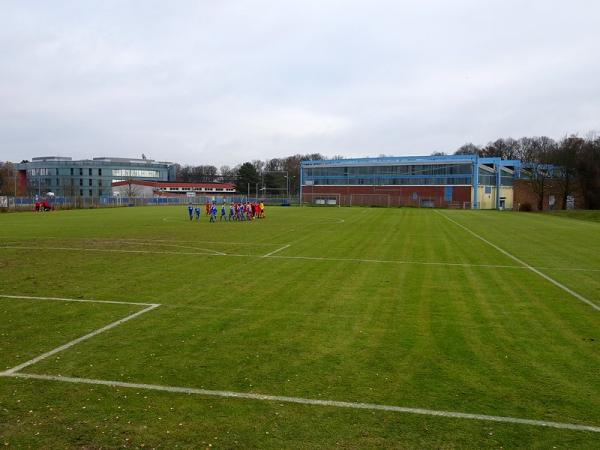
[99,182]
[90,192]
[81,182]
[80,171]
[90,172]
[90,181]
[72,170]
[39,172]
[135,173]
[100,192]
[99,172]
[81,192]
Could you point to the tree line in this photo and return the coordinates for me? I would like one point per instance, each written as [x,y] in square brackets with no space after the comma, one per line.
[577,162]
[272,177]
[569,164]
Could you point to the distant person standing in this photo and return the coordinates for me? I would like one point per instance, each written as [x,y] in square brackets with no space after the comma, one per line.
[197,211]
[247,211]
[223,216]
[191,211]
[207,208]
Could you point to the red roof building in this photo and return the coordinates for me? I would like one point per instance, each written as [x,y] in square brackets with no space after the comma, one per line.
[142,188]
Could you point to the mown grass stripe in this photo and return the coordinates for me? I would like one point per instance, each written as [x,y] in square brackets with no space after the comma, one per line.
[311,401]
[524,264]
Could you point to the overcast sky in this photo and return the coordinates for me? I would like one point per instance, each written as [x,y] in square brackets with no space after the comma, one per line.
[223,82]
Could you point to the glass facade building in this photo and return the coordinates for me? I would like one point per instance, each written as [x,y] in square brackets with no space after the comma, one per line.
[86,178]
[417,176]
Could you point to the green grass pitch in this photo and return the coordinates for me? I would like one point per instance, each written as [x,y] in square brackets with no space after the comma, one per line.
[407,308]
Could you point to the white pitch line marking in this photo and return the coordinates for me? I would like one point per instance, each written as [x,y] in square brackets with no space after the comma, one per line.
[310,258]
[183,242]
[114,250]
[392,261]
[252,396]
[310,401]
[77,341]
[524,264]
[170,245]
[81,300]
[276,251]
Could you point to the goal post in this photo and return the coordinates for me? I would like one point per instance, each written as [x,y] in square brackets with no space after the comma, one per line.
[315,199]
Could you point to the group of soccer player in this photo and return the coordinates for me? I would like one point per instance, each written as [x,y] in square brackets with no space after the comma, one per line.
[238,212]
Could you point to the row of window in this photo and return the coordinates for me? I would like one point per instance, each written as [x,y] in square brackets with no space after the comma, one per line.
[384,181]
[44,171]
[415,170]
[91,193]
[489,179]
[137,173]
[179,189]
[89,171]
[485,180]
[48,182]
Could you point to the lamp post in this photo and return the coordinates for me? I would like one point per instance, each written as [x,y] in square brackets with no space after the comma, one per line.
[287,186]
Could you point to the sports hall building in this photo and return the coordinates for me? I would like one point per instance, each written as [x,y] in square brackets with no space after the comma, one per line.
[86,178]
[456,181]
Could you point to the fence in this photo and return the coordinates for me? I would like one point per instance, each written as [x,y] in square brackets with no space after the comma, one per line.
[28,203]
[384,200]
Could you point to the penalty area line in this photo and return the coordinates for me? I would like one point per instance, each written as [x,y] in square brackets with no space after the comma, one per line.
[579,297]
[310,401]
[70,344]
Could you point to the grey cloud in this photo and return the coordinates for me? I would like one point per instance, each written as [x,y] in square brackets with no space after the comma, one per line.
[229,81]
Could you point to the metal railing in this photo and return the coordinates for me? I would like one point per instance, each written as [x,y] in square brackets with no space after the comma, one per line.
[58,203]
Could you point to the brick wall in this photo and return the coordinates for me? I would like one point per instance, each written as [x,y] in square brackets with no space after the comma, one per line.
[524,194]
[390,195]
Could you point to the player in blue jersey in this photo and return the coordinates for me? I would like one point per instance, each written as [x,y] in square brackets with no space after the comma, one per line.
[231,212]
[223,216]
[197,211]
[191,211]
[213,213]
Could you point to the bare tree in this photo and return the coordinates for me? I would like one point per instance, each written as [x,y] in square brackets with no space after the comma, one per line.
[8,178]
[588,173]
[132,190]
[565,157]
[258,165]
[468,149]
[540,151]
